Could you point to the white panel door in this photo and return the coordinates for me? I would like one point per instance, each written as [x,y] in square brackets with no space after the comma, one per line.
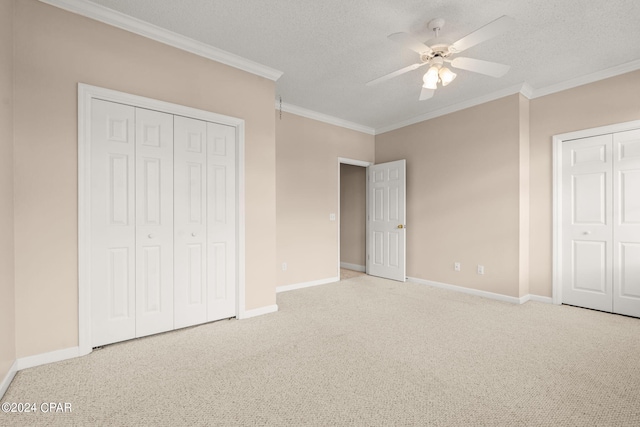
[221,221]
[626,223]
[387,222]
[154,222]
[190,221]
[112,223]
[587,250]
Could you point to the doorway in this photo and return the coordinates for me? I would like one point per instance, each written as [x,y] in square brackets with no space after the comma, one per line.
[352,242]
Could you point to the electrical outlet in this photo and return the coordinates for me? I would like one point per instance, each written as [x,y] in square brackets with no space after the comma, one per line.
[456,266]
[332,217]
[480,269]
[284,266]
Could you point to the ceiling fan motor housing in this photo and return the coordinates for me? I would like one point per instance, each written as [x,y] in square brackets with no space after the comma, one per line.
[436,56]
[437,61]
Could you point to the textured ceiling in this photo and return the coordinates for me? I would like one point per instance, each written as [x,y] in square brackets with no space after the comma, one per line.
[329,49]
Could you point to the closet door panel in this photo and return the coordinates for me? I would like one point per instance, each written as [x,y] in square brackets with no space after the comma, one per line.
[221,220]
[112,222]
[587,196]
[154,222]
[190,221]
[626,224]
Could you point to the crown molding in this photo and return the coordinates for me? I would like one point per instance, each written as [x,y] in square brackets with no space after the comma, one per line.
[153,32]
[589,78]
[310,114]
[526,90]
[453,108]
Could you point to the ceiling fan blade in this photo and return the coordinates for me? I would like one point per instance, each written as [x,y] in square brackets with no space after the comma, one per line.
[396,73]
[426,93]
[411,42]
[492,69]
[487,32]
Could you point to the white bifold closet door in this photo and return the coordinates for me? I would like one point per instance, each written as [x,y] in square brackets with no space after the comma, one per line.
[601,222]
[163,222]
[132,222]
[205,229]
[154,222]
[626,225]
[221,221]
[113,275]
[190,227]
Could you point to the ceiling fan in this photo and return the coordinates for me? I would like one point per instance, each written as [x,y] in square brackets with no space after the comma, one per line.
[437,52]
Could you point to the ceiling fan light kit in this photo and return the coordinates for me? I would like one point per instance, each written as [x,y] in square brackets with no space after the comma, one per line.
[437,51]
[437,73]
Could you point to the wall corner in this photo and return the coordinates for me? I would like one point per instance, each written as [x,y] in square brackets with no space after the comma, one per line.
[7,195]
[524,196]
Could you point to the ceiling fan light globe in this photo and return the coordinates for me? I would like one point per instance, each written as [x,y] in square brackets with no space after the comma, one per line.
[430,78]
[446,76]
[433,71]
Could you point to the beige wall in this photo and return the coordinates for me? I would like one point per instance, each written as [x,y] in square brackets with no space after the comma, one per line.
[307,192]
[463,195]
[54,51]
[7,313]
[353,210]
[606,102]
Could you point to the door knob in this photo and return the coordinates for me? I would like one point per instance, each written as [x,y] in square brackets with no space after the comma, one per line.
[193,234]
[151,236]
[401,226]
[586,233]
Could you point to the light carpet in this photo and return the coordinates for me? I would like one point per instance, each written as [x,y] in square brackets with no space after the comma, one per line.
[366,352]
[349,274]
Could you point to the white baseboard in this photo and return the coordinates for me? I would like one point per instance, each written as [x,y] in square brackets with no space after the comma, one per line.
[306,284]
[538,298]
[36,360]
[259,311]
[4,385]
[476,292]
[484,294]
[50,357]
[354,267]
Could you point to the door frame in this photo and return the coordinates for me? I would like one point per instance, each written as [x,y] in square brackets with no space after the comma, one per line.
[86,93]
[557,262]
[364,164]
